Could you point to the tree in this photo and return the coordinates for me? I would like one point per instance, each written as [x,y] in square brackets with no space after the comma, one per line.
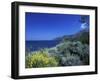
[84,19]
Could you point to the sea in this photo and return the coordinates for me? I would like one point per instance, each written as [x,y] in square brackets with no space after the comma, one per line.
[31,46]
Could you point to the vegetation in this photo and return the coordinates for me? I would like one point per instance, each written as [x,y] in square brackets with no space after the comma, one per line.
[72,50]
[40,59]
[67,53]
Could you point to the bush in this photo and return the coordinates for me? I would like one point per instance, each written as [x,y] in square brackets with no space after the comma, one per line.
[40,59]
[67,53]
[71,61]
[85,54]
[63,48]
[73,52]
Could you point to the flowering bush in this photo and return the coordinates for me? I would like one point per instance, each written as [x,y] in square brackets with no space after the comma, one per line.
[40,59]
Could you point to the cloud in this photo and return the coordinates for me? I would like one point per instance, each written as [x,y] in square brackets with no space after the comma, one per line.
[84,25]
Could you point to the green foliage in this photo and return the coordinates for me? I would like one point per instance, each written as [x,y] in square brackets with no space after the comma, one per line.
[84,38]
[62,48]
[74,52]
[71,60]
[66,53]
[84,19]
[40,59]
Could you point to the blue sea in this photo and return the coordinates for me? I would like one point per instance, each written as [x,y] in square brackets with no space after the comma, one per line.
[37,45]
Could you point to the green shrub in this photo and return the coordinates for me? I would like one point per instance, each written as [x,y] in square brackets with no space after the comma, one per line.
[71,60]
[67,53]
[76,50]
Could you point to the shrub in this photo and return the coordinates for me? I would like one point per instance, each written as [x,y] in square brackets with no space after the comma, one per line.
[67,53]
[63,48]
[85,54]
[40,59]
[73,52]
[71,61]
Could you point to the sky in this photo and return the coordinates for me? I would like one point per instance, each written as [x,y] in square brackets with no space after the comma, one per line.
[46,26]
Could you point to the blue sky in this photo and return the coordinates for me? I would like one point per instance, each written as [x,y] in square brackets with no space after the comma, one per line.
[45,26]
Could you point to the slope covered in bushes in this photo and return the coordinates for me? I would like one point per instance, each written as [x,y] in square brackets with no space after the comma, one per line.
[66,53]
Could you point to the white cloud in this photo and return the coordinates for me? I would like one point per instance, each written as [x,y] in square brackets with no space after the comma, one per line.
[84,25]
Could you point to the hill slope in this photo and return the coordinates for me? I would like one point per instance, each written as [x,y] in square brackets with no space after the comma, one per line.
[82,35]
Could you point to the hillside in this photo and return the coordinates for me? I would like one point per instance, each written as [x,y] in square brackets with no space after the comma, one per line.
[82,35]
